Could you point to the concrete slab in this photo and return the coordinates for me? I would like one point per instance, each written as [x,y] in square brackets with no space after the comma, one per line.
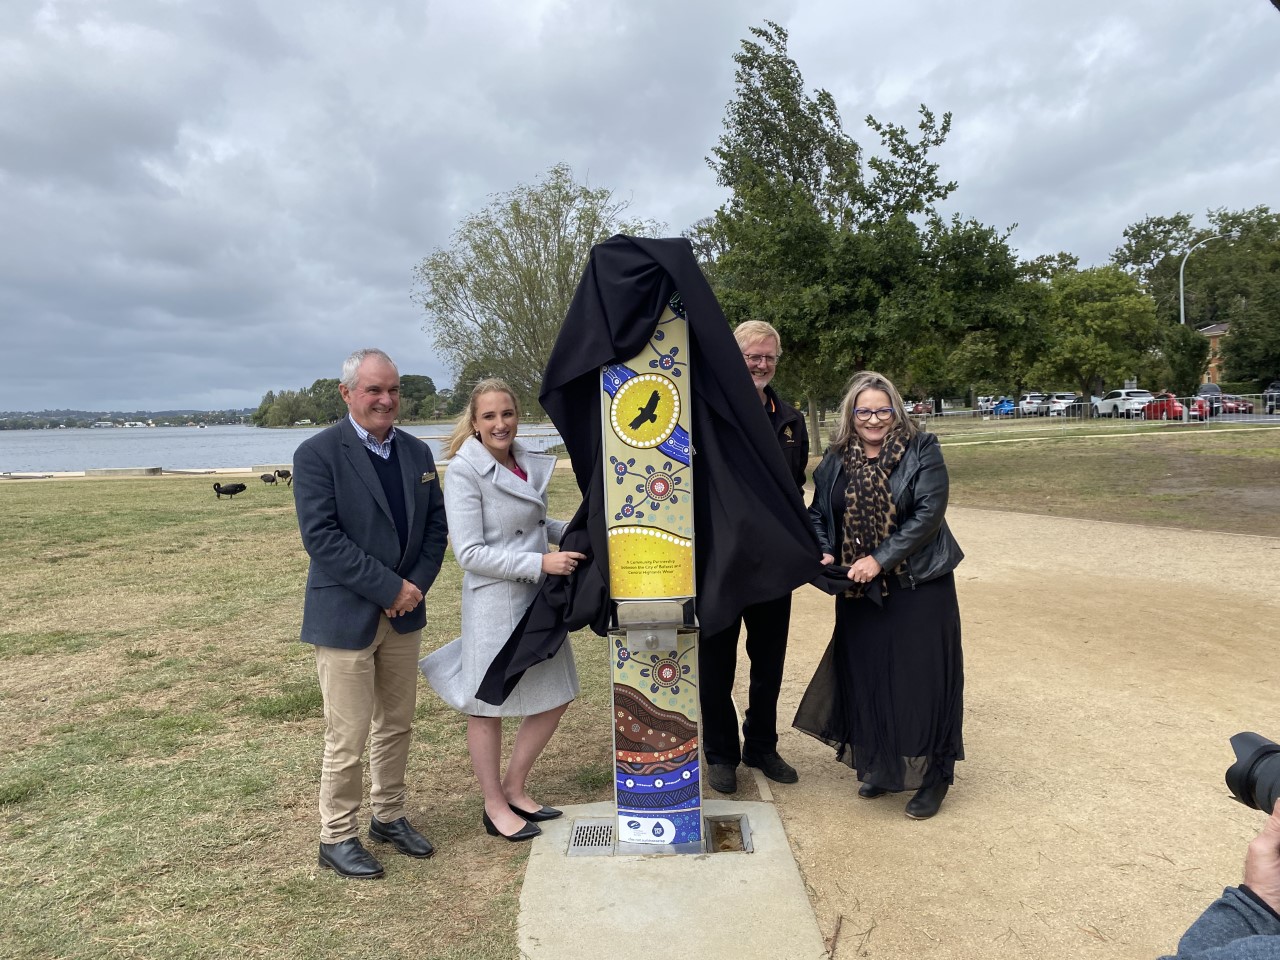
[745,906]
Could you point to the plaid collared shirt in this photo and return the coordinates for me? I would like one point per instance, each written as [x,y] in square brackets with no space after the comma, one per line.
[371,443]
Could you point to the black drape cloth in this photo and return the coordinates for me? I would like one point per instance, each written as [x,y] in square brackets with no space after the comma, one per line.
[752,536]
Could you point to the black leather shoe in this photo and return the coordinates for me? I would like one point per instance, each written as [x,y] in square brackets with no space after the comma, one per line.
[539,815]
[773,767]
[350,859]
[927,801]
[406,839]
[723,777]
[527,832]
[869,792]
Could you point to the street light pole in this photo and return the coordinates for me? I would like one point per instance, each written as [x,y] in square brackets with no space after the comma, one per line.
[1182,291]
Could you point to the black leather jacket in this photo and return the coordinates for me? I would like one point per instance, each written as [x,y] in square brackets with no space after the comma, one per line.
[919,487]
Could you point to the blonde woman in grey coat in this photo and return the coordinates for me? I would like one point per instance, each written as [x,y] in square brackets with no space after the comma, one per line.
[495,494]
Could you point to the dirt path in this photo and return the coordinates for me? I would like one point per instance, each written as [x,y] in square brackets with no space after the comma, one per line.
[1106,667]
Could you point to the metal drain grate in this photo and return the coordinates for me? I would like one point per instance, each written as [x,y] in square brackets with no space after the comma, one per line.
[591,837]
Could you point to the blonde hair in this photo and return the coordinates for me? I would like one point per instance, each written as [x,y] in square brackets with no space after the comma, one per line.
[749,330]
[861,382]
[464,428]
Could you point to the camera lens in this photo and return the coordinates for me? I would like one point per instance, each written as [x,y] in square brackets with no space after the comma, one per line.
[1254,779]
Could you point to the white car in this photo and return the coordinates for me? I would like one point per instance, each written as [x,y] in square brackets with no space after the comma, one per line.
[1059,403]
[1122,403]
[985,404]
[1029,404]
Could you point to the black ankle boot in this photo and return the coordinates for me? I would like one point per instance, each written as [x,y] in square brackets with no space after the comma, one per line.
[927,801]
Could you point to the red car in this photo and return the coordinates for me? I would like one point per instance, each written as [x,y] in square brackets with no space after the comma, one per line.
[1233,404]
[1165,406]
[1200,409]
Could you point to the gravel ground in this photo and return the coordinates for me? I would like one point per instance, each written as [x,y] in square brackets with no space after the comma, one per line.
[1106,667]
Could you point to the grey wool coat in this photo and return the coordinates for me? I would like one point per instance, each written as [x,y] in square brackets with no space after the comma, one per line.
[499,528]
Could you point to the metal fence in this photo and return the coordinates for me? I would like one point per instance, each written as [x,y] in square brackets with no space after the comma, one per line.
[1207,412]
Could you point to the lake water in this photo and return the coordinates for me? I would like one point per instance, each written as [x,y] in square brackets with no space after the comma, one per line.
[187,448]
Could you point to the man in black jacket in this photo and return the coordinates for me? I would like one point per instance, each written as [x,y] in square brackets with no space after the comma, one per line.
[767,622]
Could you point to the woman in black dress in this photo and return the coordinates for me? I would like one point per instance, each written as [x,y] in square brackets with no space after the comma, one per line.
[888,692]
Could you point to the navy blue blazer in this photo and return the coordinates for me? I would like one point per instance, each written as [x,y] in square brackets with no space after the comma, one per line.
[347,529]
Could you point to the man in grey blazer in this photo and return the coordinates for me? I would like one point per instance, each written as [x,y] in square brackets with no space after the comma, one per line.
[372,518]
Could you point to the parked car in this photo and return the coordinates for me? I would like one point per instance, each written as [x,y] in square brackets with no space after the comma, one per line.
[1029,403]
[1122,403]
[1212,394]
[1271,397]
[1198,408]
[1233,404]
[1165,406]
[985,404]
[1058,403]
[921,406]
[1004,407]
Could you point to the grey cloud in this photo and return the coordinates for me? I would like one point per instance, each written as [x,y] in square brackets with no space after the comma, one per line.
[203,202]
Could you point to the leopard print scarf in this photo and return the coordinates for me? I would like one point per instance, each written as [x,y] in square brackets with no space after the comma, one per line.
[869,514]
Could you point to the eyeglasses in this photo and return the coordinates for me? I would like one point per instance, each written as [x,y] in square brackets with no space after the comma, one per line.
[864,414]
[766,358]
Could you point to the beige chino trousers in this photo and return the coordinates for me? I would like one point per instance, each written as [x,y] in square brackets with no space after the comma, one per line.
[369,694]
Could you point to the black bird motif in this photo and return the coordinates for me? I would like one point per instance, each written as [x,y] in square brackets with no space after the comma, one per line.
[228,489]
[647,413]
[268,478]
[286,476]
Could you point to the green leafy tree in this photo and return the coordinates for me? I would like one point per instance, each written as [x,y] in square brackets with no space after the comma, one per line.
[417,395]
[500,291]
[327,405]
[1152,252]
[1184,355]
[259,416]
[290,406]
[1101,326]
[783,246]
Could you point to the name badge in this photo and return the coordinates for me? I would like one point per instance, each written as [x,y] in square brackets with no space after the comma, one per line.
[428,477]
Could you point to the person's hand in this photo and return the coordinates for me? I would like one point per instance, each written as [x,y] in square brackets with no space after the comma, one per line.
[1262,861]
[864,570]
[828,559]
[406,600]
[561,562]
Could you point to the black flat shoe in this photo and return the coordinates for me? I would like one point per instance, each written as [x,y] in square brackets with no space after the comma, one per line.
[350,859]
[405,839]
[927,801]
[538,816]
[772,766]
[869,792]
[527,832]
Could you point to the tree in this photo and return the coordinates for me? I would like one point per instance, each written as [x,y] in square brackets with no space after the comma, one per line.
[259,417]
[1102,327]
[499,292]
[799,224]
[417,396]
[290,407]
[1152,253]
[327,405]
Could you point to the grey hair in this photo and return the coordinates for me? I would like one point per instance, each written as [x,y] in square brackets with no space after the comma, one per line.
[750,330]
[862,381]
[351,365]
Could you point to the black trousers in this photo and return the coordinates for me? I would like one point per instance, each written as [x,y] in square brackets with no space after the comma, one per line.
[767,625]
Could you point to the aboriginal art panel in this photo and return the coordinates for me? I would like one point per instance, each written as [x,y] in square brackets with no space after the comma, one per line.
[649,498]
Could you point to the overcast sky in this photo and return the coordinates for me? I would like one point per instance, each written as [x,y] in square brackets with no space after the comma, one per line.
[201,201]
